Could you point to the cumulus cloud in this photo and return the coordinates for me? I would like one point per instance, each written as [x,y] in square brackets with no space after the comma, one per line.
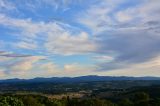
[25,64]
[69,44]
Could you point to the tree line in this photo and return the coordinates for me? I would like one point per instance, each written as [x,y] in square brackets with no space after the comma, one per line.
[138,99]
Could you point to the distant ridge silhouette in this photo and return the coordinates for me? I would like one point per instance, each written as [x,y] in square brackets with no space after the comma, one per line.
[81,79]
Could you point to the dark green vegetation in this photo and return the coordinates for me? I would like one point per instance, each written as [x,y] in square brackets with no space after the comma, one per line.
[103,93]
[133,98]
[63,87]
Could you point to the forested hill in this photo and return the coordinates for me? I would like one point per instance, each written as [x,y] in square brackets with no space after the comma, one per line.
[80,79]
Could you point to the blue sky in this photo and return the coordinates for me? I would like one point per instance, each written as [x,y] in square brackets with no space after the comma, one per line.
[48,38]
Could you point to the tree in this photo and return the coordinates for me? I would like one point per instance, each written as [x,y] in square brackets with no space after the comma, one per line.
[57,103]
[10,101]
[96,102]
[30,101]
[141,99]
[125,102]
[155,102]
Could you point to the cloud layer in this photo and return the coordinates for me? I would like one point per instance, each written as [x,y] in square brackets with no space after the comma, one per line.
[109,37]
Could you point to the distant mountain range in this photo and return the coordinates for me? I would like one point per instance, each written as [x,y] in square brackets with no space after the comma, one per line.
[80,79]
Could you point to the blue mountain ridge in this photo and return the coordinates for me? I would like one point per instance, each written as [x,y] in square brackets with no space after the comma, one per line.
[81,79]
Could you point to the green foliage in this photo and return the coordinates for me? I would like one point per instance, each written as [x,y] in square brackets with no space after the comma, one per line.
[156,102]
[135,99]
[90,102]
[57,103]
[141,96]
[31,101]
[141,99]
[10,101]
[125,102]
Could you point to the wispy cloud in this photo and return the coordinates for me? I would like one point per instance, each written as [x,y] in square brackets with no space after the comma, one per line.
[6,5]
[56,37]
[18,65]
[132,38]
[114,34]
[10,54]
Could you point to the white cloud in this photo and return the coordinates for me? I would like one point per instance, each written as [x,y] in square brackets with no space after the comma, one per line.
[149,68]
[67,44]
[105,16]
[144,12]
[39,66]
[26,63]
[76,69]
[98,17]
[55,37]
[73,67]
[26,45]
[4,4]
[27,67]
[122,17]
[128,32]
[118,30]
[2,72]
[103,58]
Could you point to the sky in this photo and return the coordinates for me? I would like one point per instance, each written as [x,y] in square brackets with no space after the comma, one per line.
[60,38]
